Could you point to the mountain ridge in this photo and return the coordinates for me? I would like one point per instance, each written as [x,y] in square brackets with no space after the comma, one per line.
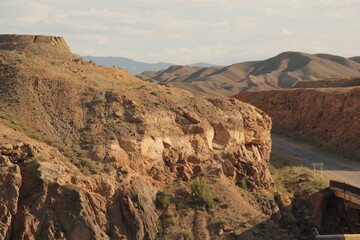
[281,71]
[355,58]
[132,66]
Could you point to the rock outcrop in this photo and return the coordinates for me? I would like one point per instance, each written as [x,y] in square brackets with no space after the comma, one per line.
[22,42]
[85,149]
[328,115]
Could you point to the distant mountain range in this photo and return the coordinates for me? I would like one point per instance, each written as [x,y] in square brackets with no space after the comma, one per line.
[356,59]
[134,67]
[282,71]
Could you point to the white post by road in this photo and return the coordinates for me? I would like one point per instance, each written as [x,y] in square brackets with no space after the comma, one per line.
[321,171]
[318,164]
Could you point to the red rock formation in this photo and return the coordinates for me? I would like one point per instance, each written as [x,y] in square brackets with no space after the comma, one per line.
[116,140]
[330,115]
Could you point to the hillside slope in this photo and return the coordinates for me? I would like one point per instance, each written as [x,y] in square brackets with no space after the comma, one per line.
[86,150]
[281,71]
[356,59]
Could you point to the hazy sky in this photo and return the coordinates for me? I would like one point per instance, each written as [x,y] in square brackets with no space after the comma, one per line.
[188,31]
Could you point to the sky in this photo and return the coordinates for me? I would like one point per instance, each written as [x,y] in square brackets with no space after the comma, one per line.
[189,31]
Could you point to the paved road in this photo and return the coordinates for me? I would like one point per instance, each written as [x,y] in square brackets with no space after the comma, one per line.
[334,167]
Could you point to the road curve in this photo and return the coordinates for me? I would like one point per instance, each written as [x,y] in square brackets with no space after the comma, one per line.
[335,167]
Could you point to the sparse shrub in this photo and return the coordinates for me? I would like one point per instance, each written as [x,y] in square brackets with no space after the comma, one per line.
[57,145]
[224,206]
[36,136]
[184,235]
[86,171]
[11,122]
[72,187]
[53,154]
[167,220]
[109,168]
[272,169]
[4,116]
[221,222]
[48,141]
[232,120]
[162,200]
[88,166]
[39,159]
[159,227]
[172,109]
[167,215]
[242,183]
[153,93]
[69,154]
[201,193]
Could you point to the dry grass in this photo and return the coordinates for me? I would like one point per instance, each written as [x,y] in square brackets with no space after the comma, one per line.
[293,179]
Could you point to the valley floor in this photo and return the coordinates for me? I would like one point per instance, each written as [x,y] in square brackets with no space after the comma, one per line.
[335,167]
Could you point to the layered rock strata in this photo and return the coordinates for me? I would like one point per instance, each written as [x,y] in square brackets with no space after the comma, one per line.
[85,149]
[328,115]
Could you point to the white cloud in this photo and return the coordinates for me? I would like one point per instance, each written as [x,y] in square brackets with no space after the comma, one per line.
[285,32]
[183,31]
[32,19]
[38,7]
[134,31]
[337,3]
[186,55]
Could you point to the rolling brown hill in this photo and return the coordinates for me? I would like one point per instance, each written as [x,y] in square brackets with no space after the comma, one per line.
[356,59]
[89,152]
[282,71]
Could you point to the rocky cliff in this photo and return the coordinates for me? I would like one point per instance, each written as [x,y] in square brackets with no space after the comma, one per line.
[84,150]
[327,115]
[22,42]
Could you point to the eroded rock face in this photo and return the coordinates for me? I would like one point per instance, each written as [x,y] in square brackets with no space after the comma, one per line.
[330,115]
[10,183]
[58,202]
[103,118]
[176,145]
[21,42]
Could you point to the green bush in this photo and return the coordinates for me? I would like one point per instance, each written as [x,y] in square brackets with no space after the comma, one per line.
[39,159]
[72,187]
[241,183]
[184,235]
[162,200]
[36,136]
[201,193]
[224,206]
